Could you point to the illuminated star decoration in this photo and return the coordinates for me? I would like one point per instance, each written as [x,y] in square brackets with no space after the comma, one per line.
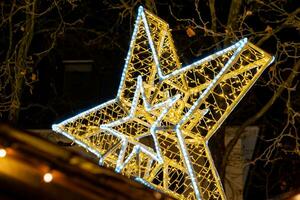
[157,128]
[133,135]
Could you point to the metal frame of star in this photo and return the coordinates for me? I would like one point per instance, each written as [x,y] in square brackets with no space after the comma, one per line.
[166,105]
[56,128]
[141,16]
[239,45]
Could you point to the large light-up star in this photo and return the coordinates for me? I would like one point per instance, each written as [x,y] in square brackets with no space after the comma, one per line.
[157,128]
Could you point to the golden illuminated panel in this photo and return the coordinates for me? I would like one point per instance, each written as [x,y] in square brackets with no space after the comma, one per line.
[157,128]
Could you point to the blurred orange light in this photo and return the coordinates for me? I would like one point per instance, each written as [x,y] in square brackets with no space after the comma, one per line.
[296,197]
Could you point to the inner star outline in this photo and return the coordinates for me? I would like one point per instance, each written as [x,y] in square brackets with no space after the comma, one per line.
[157,155]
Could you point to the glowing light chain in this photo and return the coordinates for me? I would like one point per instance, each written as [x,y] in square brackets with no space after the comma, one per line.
[179,108]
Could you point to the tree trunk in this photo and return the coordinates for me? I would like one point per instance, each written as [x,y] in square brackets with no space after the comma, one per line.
[19,69]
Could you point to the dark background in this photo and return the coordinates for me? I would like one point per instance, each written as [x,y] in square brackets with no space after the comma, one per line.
[100,31]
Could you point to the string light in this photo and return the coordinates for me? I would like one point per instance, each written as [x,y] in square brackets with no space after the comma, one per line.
[48,177]
[171,106]
[2,153]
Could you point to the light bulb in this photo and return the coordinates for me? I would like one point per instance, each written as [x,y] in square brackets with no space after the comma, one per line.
[48,177]
[2,153]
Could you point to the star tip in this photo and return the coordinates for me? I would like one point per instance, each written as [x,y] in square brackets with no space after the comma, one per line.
[54,127]
[102,126]
[139,78]
[272,59]
[141,9]
[118,170]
